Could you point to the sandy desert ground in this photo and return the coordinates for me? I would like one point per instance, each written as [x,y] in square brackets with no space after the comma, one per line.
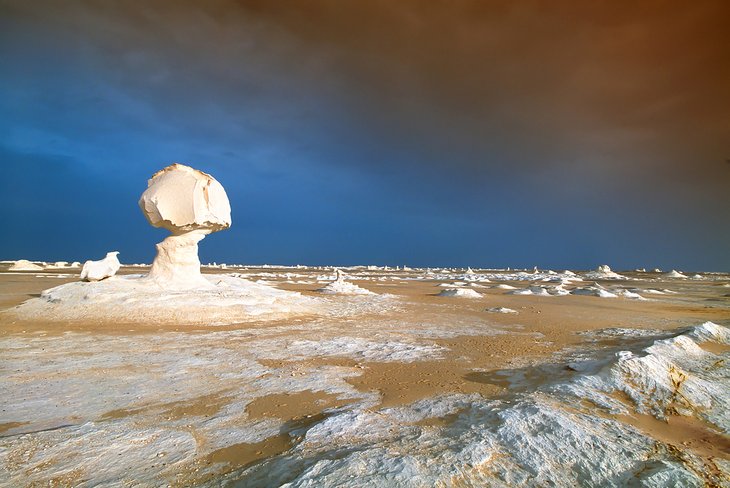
[402,387]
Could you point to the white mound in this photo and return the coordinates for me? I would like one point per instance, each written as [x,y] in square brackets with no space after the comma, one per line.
[540,291]
[672,376]
[604,272]
[710,332]
[455,284]
[135,299]
[595,290]
[631,295]
[460,292]
[675,274]
[342,287]
[501,310]
[24,265]
[559,291]
[650,291]
[503,286]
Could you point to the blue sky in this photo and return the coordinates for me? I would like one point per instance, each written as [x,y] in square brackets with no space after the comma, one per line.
[370,135]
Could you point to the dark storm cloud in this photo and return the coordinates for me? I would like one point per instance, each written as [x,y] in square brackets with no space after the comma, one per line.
[532,83]
[525,84]
[519,121]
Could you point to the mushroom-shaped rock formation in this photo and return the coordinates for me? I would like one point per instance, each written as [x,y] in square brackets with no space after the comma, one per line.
[190,204]
[98,270]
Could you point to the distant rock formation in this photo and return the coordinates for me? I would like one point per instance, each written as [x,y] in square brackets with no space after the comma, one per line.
[24,265]
[190,204]
[342,287]
[104,268]
[460,292]
[604,272]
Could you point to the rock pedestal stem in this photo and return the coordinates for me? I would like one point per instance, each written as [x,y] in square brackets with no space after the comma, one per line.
[177,264]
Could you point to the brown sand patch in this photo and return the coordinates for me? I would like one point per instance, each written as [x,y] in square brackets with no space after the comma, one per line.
[202,406]
[293,405]
[683,432]
[11,425]
[242,455]
[245,454]
[404,383]
[443,421]
[714,347]
[300,410]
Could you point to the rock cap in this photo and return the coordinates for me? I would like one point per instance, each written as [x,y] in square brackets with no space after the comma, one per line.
[182,199]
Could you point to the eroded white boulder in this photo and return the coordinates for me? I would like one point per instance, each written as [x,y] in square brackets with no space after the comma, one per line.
[104,268]
[190,204]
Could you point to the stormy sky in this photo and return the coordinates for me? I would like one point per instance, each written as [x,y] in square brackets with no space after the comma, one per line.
[427,133]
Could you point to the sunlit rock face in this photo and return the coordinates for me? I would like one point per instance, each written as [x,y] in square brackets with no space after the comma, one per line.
[182,199]
[190,204]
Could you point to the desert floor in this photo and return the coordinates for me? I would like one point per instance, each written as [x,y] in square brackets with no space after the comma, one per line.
[213,402]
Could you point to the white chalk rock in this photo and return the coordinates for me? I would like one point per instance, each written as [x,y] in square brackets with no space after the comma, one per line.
[24,265]
[501,310]
[604,272]
[190,204]
[460,292]
[98,270]
[181,199]
[342,287]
